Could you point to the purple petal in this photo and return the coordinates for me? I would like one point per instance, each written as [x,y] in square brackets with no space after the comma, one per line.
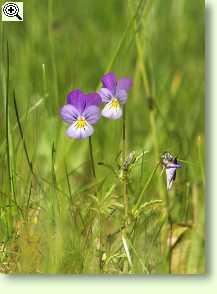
[109,81]
[105,94]
[79,133]
[93,99]
[69,113]
[174,165]
[92,114]
[78,99]
[121,95]
[124,84]
[111,112]
[73,96]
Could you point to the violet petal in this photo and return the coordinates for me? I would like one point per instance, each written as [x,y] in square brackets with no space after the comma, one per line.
[124,84]
[92,114]
[69,113]
[93,99]
[121,95]
[105,94]
[73,97]
[109,81]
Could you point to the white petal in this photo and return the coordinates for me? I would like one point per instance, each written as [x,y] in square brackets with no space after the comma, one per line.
[112,112]
[170,174]
[79,133]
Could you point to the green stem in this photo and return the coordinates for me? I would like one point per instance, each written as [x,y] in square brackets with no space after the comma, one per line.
[200,155]
[124,172]
[92,158]
[125,179]
[100,243]
[100,217]
[8,142]
[170,234]
[156,148]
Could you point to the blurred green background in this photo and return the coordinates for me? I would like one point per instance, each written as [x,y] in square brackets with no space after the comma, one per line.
[62,45]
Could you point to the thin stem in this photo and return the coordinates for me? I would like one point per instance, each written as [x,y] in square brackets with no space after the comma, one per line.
[125,179]
[8,141]
[123,37]
[100,217]
[100,243]
[170,234]
[170,245]
[125,171]
[200,155]
[125,196]
[92,158]
[156,147]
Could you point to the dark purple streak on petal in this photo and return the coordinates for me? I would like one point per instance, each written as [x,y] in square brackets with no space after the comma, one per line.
[92,114]
[69,113]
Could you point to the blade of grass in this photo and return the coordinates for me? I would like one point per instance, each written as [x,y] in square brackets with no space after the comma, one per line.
[54,178]
[127,251]
[147,183]
[122,39]
[22,135]
[8,141]
[13,129]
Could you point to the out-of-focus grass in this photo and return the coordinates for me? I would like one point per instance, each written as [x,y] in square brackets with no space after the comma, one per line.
[50,217]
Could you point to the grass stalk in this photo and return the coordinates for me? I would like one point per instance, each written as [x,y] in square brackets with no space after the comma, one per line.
[8,141]
[170,232]
[52,49]
[125,196]
[92,162]
[200,157]
[125,233]
[147,183]
[92,158]
[123,37]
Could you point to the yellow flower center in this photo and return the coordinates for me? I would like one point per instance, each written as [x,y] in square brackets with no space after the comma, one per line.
[115,103]
[80,123]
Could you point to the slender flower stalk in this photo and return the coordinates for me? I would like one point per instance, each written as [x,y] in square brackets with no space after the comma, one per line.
[125,192]
[125,175]
[99,216]
[92,157]
[170,233]
[114,94]
[81,112]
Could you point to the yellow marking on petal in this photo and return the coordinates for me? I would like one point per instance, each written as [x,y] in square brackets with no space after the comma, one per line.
[115,103]
[81,123]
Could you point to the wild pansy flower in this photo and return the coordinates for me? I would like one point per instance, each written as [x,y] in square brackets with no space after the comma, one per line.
[171,164]
[114,93]
[81,112]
